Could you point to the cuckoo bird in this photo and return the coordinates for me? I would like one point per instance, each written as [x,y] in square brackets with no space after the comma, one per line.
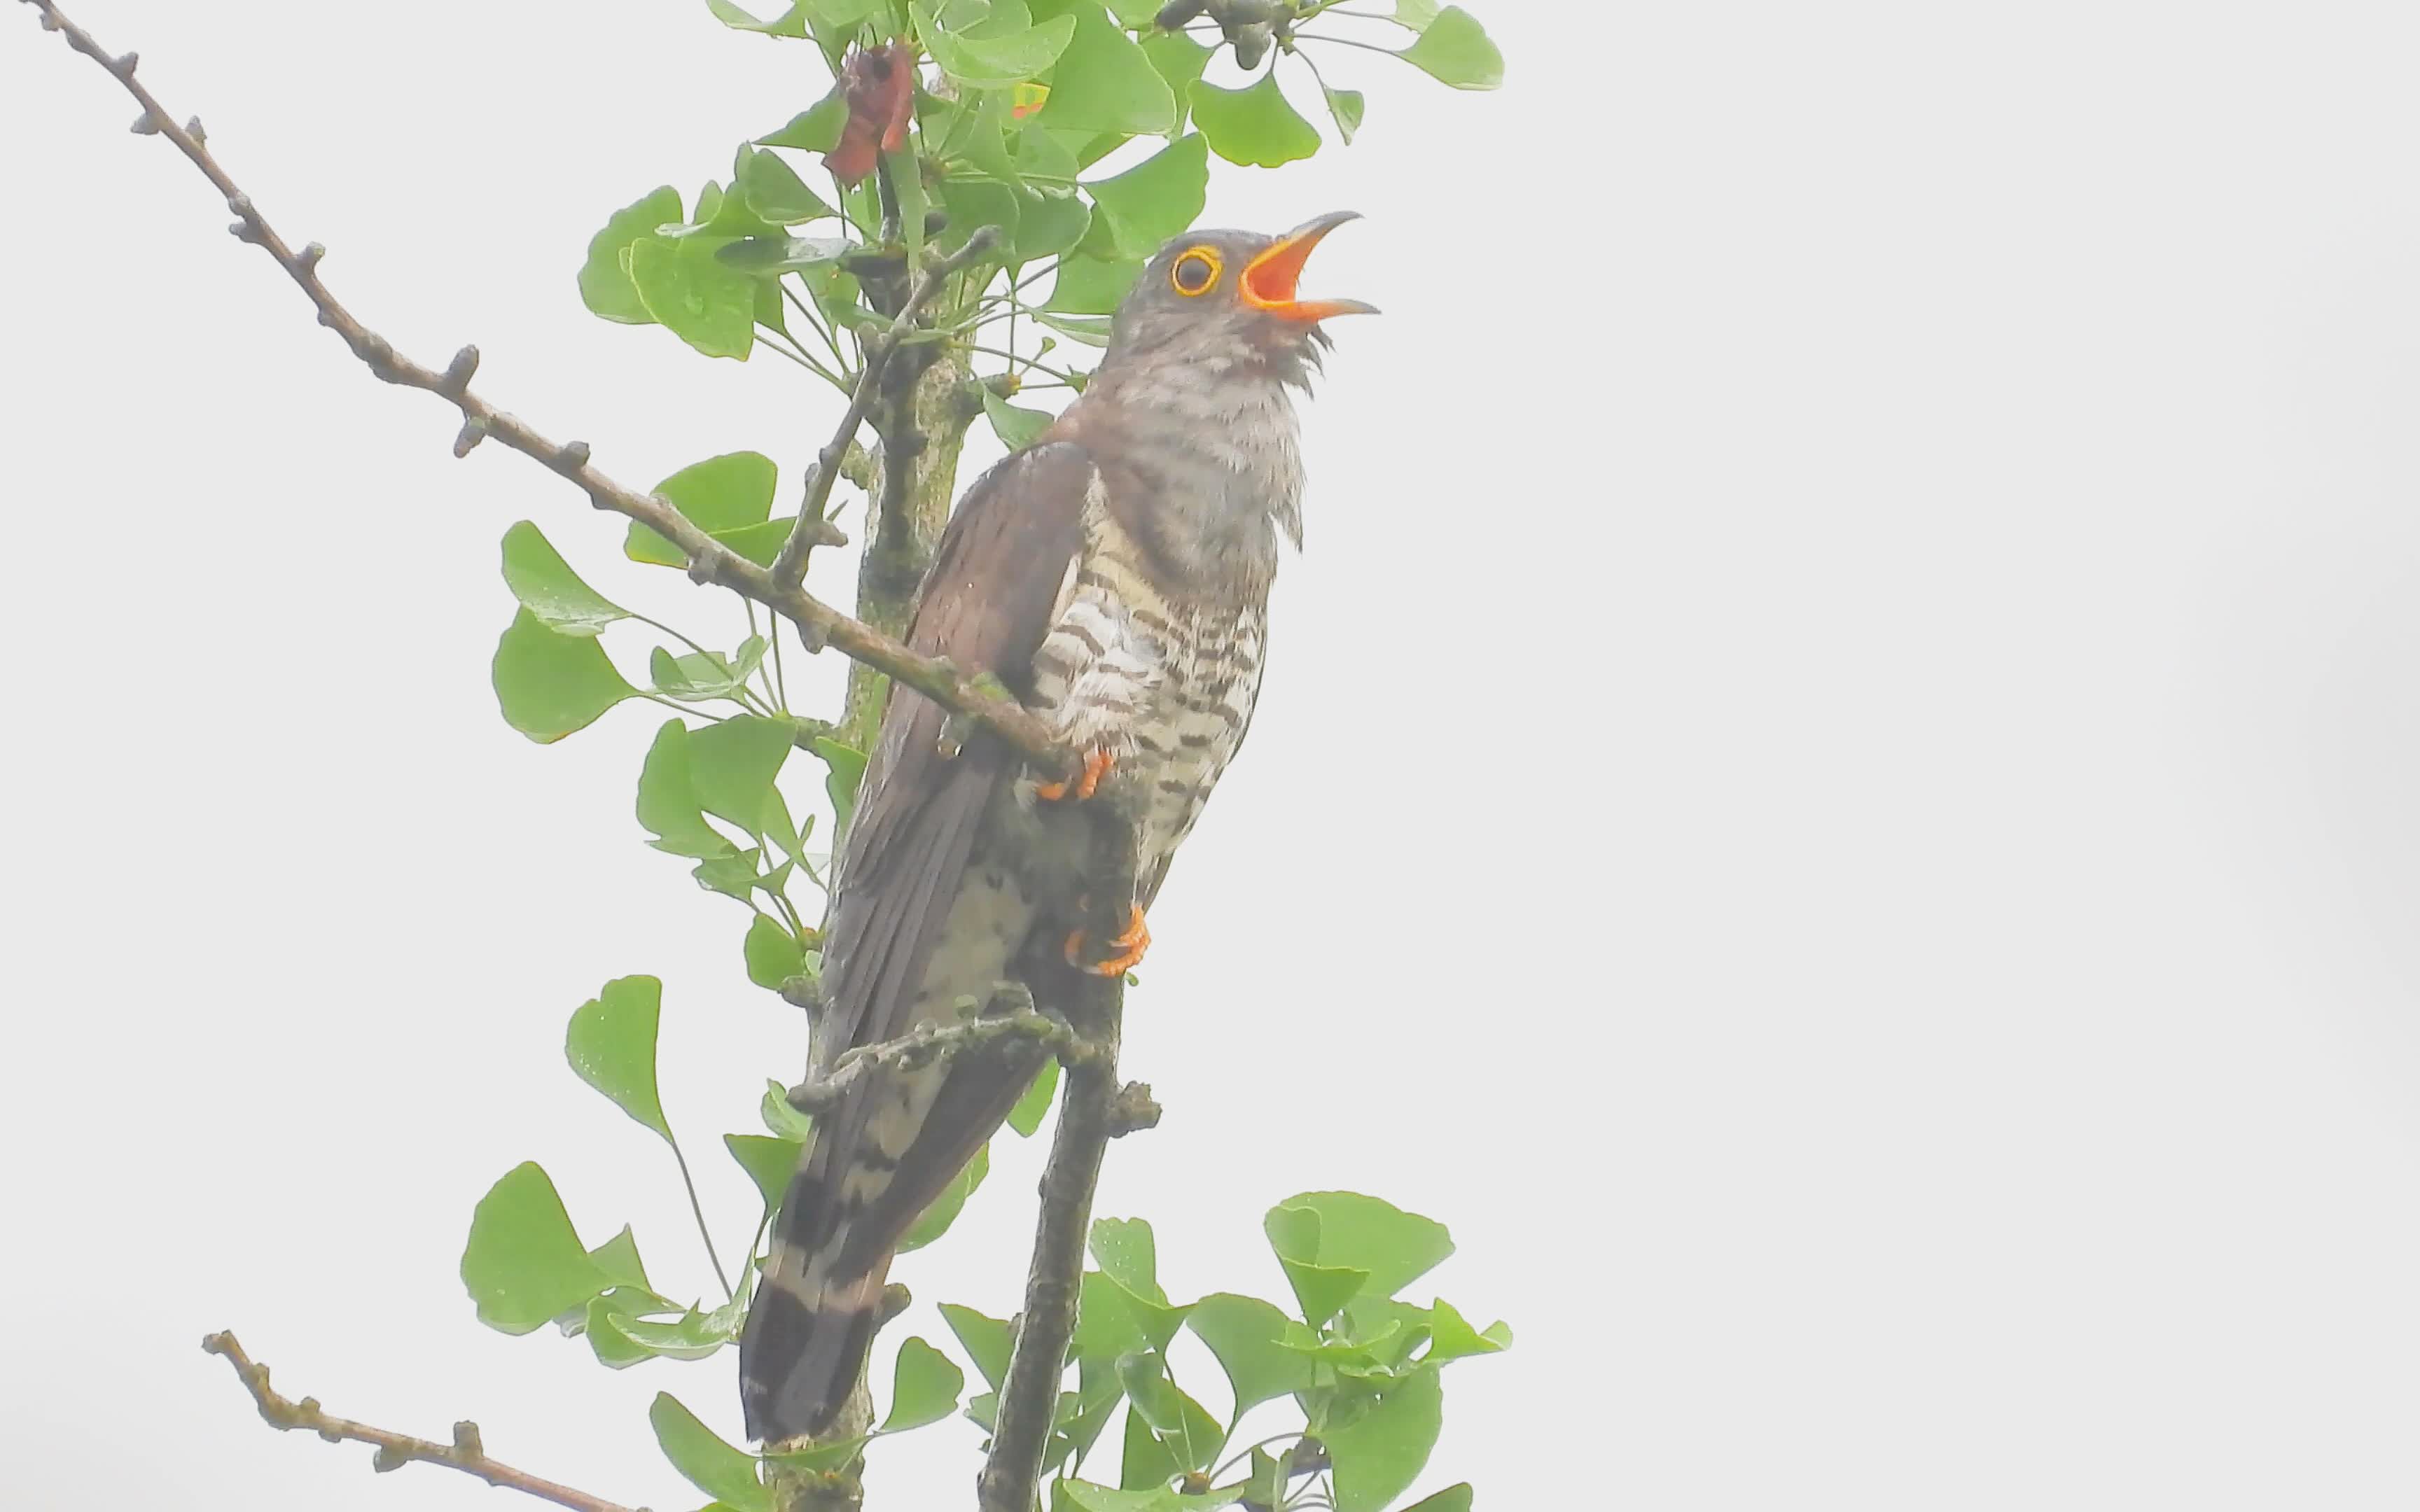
[1114,576]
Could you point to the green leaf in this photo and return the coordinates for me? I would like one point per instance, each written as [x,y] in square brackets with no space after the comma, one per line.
[817,128]
[936,1220]
[845,769]
[602,1327]
[769,1161]
[774,192]
[524,1264]
[720,494]
[605,284]
[1451,1338]
[1243,1332]
[1453,1499]
[1380,1454]
[1015,425]
[1035,1104]
[1178,59]
[548,684]
[1364,1233]
[976,202]
[1454,49]
[1157,197]
[1088,286]
[1092,330]
[1103,81]
[1345,106]
[695,1335]
[1416,14]
[734,876]
[611,1046]
[618,1257]
[1255,126]
[772,256]
[668,807]
[1106,1326]
[1184,1436]
[1049,224]
[547,588]
[772,954]
[925,1386]
[714,1466]
[732,766]
[986,1340]
[1040,154]
[792,23]
[992,62]
[1126,1253]
[774,1109]
[695,296]
[1087,1497]
[700,677]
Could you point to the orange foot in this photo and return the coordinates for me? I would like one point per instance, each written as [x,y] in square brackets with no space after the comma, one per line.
[1097,765]
[1130,947]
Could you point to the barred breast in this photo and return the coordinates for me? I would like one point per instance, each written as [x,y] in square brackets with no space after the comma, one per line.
[1165,682]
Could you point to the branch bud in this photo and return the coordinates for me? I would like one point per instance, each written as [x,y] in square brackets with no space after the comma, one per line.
[123,65]
[309,257]
[144,126]
[193,129]
[572,458]
[457,373]
[475,430]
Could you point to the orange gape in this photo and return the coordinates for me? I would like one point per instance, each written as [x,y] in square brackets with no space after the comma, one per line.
[880,88]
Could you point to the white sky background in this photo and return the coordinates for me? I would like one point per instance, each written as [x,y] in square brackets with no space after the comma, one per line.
[1838,790]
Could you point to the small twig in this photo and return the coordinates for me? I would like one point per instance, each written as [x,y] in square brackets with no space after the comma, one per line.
[709,561]
[395,1450]
[791,565]
[938,1041]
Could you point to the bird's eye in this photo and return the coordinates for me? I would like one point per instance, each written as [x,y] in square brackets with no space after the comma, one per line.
[1196,272]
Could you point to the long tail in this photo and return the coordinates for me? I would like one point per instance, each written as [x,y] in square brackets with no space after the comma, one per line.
[814,1312]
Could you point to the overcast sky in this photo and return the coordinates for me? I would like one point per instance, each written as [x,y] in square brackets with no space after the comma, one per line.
[1838,789]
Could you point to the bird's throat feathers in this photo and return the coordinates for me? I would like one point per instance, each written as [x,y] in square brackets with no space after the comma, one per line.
[1202,464]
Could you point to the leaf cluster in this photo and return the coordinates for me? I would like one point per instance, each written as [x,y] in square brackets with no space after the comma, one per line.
[1083,130]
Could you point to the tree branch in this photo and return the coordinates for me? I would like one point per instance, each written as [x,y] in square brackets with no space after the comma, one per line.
[709,561]
[806,530]
[395,1450]
[1091,1111]
[938,1041]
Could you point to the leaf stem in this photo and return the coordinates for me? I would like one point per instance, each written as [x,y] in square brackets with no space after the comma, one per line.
[697,1211]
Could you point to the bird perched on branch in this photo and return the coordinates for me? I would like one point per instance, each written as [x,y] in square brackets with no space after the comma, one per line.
[1114,576]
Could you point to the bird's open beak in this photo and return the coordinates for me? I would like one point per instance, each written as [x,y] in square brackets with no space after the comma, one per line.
[1269,279]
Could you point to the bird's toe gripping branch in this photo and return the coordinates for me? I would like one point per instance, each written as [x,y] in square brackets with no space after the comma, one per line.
[1097,765]
[1128,946]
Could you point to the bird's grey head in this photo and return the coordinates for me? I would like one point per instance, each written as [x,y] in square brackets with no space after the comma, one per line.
[1220,301]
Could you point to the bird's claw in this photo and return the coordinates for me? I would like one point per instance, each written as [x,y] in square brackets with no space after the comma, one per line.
[1130,944]
[1097,765]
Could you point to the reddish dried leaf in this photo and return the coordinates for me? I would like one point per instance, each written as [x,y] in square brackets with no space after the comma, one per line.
[880,88]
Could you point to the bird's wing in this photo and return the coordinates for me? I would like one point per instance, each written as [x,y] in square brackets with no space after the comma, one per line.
[895,1141]
[986,604]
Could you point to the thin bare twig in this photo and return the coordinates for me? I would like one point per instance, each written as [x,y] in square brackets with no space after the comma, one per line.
[709,561]
[395,1450]
[937,1041]
[808,529]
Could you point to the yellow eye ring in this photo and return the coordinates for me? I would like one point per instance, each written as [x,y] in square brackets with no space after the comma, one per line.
[1195,272]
